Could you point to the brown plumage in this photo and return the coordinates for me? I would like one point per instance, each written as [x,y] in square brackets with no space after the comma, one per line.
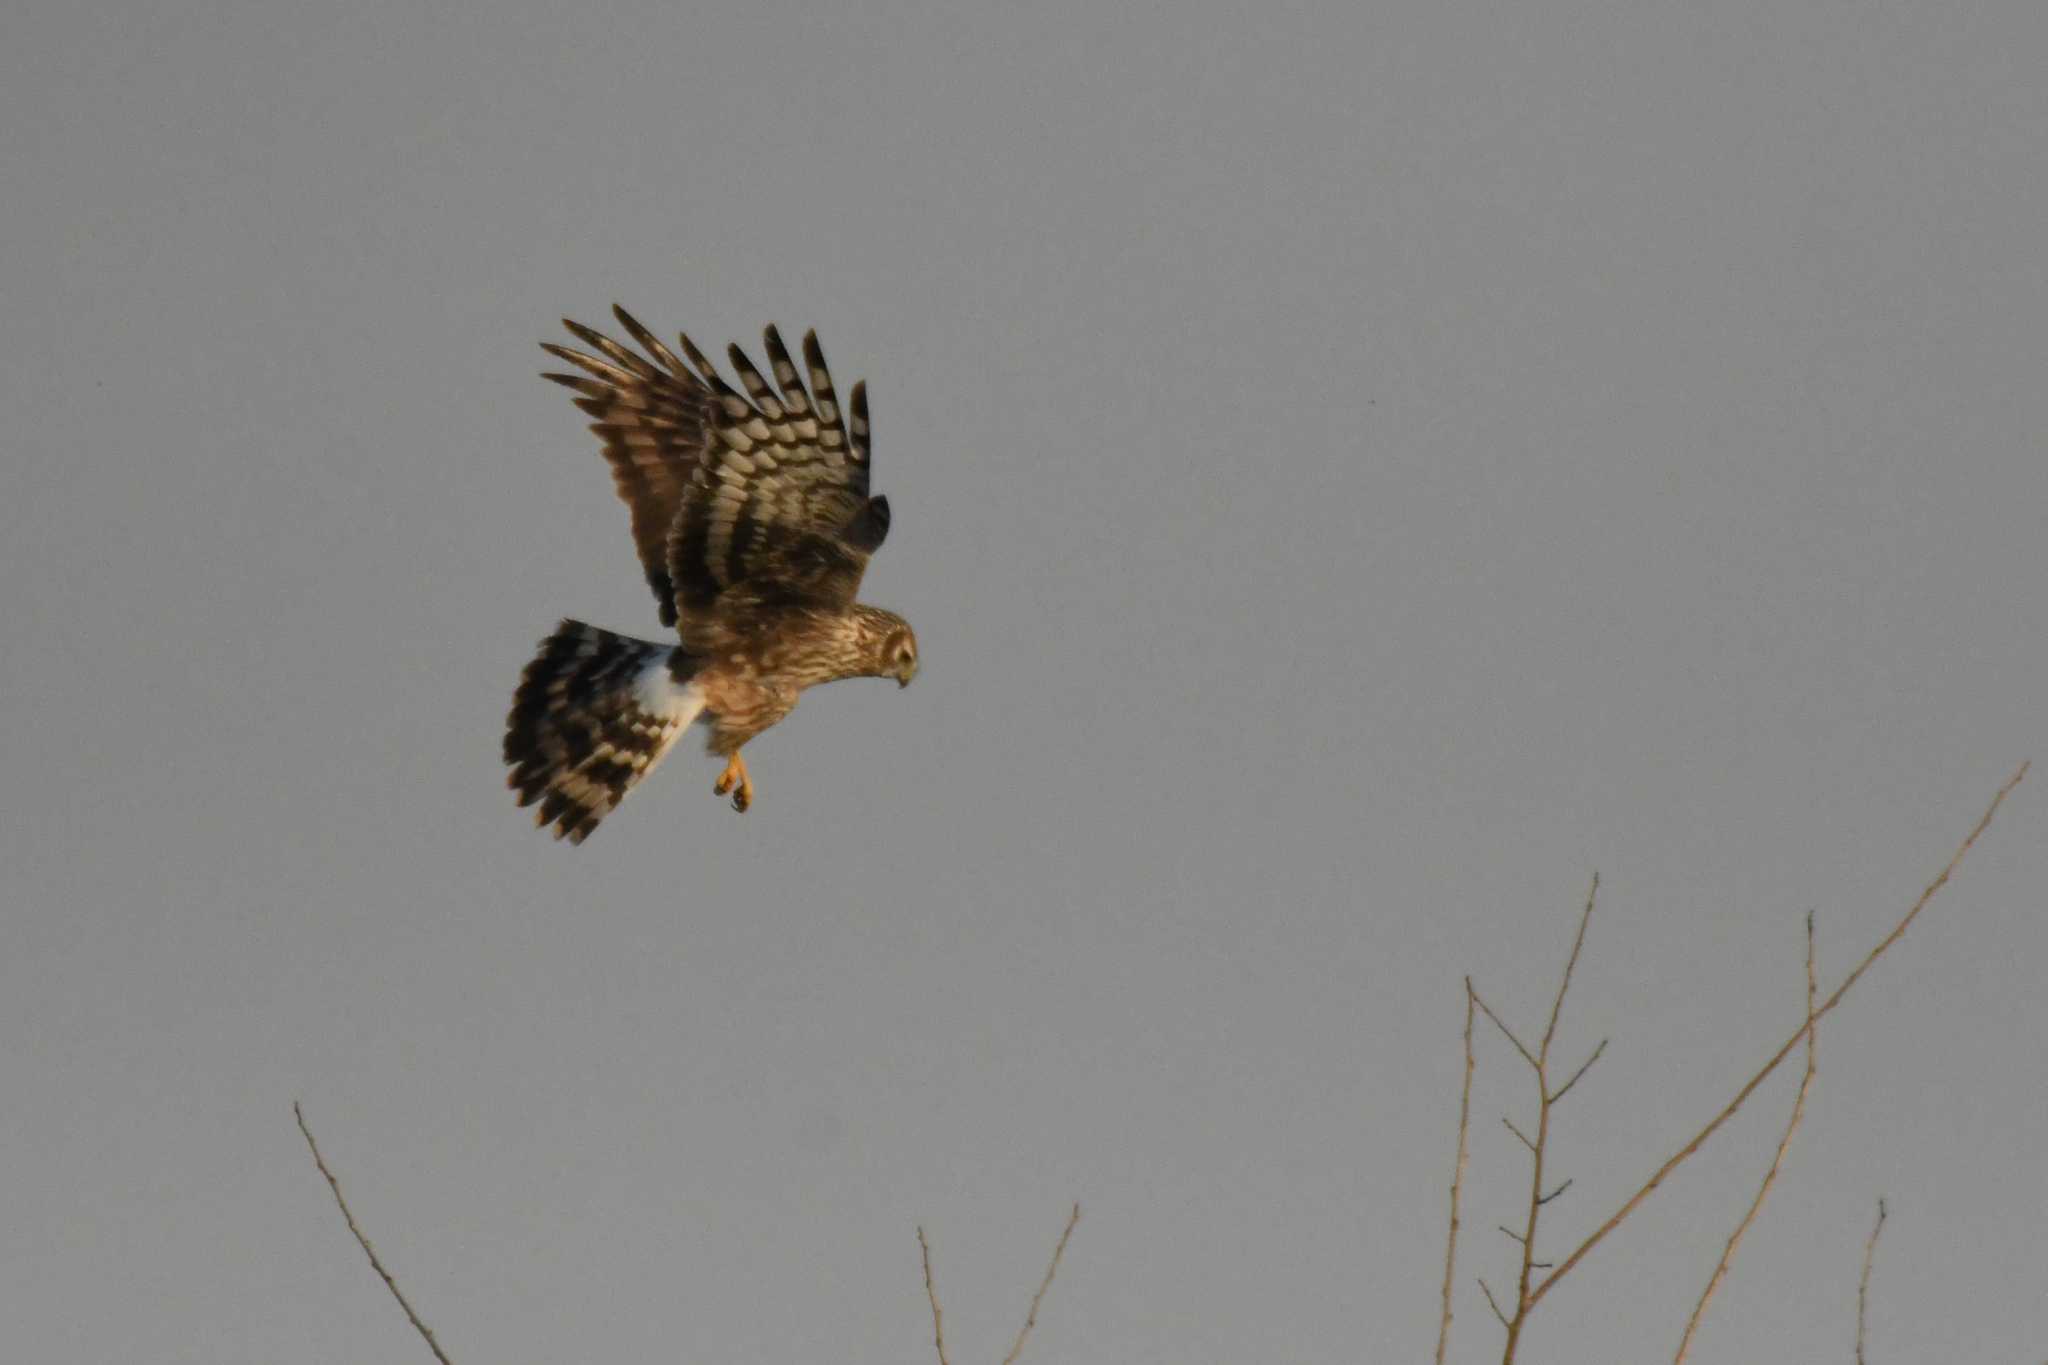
[754,524]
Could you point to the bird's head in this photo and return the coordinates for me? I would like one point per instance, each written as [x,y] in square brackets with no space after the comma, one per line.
[901,656]
[889,644]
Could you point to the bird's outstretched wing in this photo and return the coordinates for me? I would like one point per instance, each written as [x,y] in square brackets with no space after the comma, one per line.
[652,418]
[759,498]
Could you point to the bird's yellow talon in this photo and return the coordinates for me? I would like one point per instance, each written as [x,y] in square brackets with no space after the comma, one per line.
[735,780]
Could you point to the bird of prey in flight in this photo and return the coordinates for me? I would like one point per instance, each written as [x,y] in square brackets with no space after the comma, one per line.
[753,520]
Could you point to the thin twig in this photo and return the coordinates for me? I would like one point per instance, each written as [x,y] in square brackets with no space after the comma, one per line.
[1443,1334]
[1492,1304]
[930,1292]
[1565,983]
[1692,1324]
[1863,1283]
[1506,1032]
[1898,932]
[426,1332]
[1031,1318]
[1556,1192]
[1518,1132]
[1584,1067]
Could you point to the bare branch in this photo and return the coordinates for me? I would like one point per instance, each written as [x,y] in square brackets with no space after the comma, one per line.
[1510,1233]
[1493,1305]
[1898,931]
[1565,983]
[1863,1283]
[1443,1335]
[426,1333]
[1692,1324]
[1584,1067]
[1540,1064]
[1031,1318]
[1506,1032]
[931,1292]
[1955,860]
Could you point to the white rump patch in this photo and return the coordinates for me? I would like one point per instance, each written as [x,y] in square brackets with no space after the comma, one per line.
[658,693]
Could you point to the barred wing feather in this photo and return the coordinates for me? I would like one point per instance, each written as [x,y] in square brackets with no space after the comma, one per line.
[761,494]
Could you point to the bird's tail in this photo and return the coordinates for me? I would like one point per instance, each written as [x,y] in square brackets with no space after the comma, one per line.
[594,713]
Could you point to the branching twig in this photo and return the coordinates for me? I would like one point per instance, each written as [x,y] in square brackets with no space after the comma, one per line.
[1519,1134]
[1545,1098]
[1443,1335]
[1031,1318]
[426,1333]
[1692,1324]
[1863,1283]
[931,1292]
[1898,932]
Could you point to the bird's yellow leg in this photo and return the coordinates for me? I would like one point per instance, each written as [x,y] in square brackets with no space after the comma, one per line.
[735,780]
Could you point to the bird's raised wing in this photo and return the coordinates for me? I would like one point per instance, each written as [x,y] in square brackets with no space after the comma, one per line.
[762,495]
[652,418]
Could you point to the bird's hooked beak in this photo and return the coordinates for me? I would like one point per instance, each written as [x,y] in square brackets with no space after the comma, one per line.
[905,673]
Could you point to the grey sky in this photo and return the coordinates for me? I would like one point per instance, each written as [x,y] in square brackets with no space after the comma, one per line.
[1356,471]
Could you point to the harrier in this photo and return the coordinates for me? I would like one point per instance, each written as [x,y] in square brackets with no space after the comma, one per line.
[753,521]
